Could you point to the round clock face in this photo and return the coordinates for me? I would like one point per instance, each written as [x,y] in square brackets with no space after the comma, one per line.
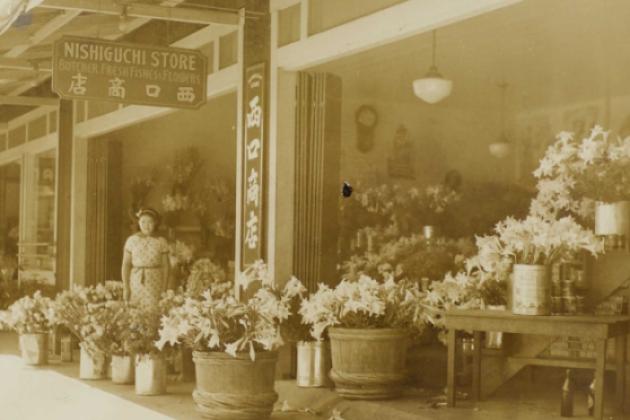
[366,116]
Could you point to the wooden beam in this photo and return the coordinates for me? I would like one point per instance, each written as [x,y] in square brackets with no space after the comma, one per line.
[392,24]
[4,126]
[28,101]
[17,64]
[277,5]
[44,32]
[138,10]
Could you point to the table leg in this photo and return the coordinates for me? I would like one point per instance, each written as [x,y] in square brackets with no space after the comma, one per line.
[450,375]
[600,369]
[476,380]
[620,373]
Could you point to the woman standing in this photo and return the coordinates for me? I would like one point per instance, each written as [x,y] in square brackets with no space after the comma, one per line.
[145,262]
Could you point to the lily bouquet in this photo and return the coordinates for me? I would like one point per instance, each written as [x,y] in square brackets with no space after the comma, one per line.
[535,240]
[437,199]
[89,313]
[596,168]
[221,322]
[365,303]
[30,314]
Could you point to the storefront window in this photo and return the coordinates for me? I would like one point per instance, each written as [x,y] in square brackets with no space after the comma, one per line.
[9,219]
[37,250]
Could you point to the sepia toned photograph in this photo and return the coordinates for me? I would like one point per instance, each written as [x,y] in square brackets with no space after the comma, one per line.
[314,209]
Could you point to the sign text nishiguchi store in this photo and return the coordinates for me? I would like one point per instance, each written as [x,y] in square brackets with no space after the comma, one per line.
[94,69]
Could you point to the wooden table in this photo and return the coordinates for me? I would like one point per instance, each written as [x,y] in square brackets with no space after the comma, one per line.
[598,328]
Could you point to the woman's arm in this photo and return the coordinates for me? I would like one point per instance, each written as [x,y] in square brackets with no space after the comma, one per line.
[126,273]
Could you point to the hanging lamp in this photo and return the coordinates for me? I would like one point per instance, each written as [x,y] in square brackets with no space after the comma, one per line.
[432,88]
[501,148]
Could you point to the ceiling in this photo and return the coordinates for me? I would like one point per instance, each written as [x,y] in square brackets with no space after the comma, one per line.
[25,43]
[549,52]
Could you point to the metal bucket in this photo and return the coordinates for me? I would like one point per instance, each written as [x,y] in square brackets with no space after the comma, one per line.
[530,290]
[34,348]
[150,374]
[313,364]
[612,218]
[123,369]
[92,366]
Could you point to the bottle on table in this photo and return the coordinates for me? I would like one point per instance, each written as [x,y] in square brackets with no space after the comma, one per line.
[566,406]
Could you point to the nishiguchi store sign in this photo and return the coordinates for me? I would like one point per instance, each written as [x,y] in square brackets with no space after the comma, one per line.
[95,69]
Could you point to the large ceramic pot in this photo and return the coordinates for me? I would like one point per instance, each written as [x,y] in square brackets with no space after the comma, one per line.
[368,363]
[123,369]
[150,374]
[612,218]
[235,387]
[92,364]
[34,348]
[313,364]
[530,290]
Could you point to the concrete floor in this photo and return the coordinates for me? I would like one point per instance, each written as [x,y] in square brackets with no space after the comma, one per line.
[54,392]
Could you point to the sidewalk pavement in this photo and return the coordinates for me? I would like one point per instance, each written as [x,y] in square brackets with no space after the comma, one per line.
[53,392]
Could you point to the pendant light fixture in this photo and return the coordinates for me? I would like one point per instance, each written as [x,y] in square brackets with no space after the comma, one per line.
[501,148]
[432,88]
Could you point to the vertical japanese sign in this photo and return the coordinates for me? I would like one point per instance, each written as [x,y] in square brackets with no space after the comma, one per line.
[253,164]
[96,69]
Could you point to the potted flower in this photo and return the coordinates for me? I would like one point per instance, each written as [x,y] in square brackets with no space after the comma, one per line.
[117,322]
[593,169]
[368,323]
[313,356]
[150,361]
[532,244]
[84,312]
[31,317]
[234,343]
[437,198]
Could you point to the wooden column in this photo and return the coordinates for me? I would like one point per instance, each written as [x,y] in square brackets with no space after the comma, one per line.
[254,49]
[317,187]
[102,211]
[64,193]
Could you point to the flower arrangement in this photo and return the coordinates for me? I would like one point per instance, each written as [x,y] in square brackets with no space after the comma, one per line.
[203,274]
[88,313]
[30,314]
[141,331]
[437,199]
[293,329]
[454,291]
[223,323]
[596,168]
[535,240]
[365,303]
[410,257]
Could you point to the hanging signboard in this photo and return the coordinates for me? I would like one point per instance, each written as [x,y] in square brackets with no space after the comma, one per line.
[96,69]
[253,165]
